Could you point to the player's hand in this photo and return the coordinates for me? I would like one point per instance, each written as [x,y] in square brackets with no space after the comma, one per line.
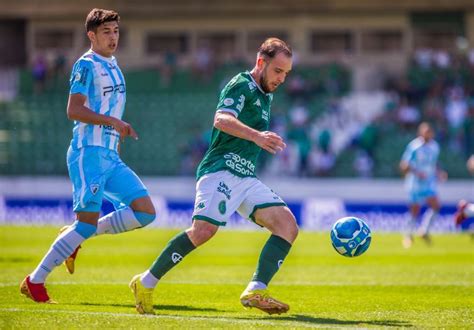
[420,175]
[124,129]
[270,142]
[443,176]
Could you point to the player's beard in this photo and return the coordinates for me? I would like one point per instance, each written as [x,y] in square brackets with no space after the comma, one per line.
[263,80]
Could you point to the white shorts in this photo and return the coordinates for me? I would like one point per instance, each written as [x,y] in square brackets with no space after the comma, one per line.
[220,194]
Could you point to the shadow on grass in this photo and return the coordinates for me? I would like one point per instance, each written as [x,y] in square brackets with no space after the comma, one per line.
[329,321]
[158,307]
[297,318]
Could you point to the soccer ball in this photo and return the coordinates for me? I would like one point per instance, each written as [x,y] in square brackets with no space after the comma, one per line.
[350,236]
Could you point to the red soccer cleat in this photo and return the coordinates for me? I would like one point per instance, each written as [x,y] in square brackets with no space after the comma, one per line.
[36,292]
[459,216]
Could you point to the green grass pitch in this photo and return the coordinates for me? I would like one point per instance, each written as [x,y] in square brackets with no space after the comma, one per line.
[425,286]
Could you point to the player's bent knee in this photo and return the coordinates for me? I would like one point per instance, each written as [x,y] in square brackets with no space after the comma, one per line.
[201,232]
[84,229]
[144,218]
[143,204]
[290,231]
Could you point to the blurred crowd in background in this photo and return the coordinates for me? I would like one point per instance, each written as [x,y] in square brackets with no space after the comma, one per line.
[328,132]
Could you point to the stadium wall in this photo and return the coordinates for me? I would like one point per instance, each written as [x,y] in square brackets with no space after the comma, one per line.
[316,203]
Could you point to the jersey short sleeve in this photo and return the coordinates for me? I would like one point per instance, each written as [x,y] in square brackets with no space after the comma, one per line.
[81,77]
[233,97]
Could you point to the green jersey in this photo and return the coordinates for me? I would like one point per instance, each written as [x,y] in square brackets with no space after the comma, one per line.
[243,98]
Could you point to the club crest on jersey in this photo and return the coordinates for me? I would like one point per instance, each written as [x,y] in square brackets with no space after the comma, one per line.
[77,76]
[252,86]
[94,188]
[257,103]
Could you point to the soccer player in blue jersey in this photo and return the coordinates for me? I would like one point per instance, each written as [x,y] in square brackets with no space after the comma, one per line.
[96,104]
[419,165]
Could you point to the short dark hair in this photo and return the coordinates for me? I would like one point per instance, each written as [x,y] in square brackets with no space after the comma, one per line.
[99,16]
[271,47]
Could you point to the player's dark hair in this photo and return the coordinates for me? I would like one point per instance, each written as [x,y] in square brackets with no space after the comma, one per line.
[271,47]
[100,16]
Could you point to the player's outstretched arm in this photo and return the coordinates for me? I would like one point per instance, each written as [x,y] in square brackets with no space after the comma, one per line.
[267,140]
[76,110]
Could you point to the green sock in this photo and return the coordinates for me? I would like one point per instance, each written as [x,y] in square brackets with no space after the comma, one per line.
[271,258]
[173,253]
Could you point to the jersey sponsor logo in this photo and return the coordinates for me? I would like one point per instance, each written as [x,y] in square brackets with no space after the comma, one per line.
[257,103]
[239,164]
[222,207]
[120,88]
[104,74]
[109,130]
[176,257]
[240,106]
[107,127]
[223,188]
[228,102]
[94,188]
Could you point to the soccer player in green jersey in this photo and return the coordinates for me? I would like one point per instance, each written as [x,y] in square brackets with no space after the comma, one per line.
[226,182]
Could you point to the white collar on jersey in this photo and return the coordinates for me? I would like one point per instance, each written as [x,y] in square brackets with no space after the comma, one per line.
[110,59]
[258,86]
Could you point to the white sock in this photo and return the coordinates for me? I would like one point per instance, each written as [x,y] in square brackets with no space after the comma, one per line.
[61,248]
[428,218]
[256,285]
[118,222]
[469,210]
[148,280]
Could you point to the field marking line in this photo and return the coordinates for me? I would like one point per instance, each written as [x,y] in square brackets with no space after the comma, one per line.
[174,317]
[301,283]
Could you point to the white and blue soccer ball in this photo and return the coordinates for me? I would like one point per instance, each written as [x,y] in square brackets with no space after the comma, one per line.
[350,236]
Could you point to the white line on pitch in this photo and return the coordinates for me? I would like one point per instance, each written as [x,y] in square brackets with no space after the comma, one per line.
[302,283]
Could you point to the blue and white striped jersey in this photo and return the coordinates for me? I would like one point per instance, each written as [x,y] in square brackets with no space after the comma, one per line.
[101,81]
[423,158]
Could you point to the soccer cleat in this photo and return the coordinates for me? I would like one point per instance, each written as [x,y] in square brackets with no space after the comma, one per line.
[36,292]
[69,262]
[427,238]
[459,216]
[143,296]
[261,299]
